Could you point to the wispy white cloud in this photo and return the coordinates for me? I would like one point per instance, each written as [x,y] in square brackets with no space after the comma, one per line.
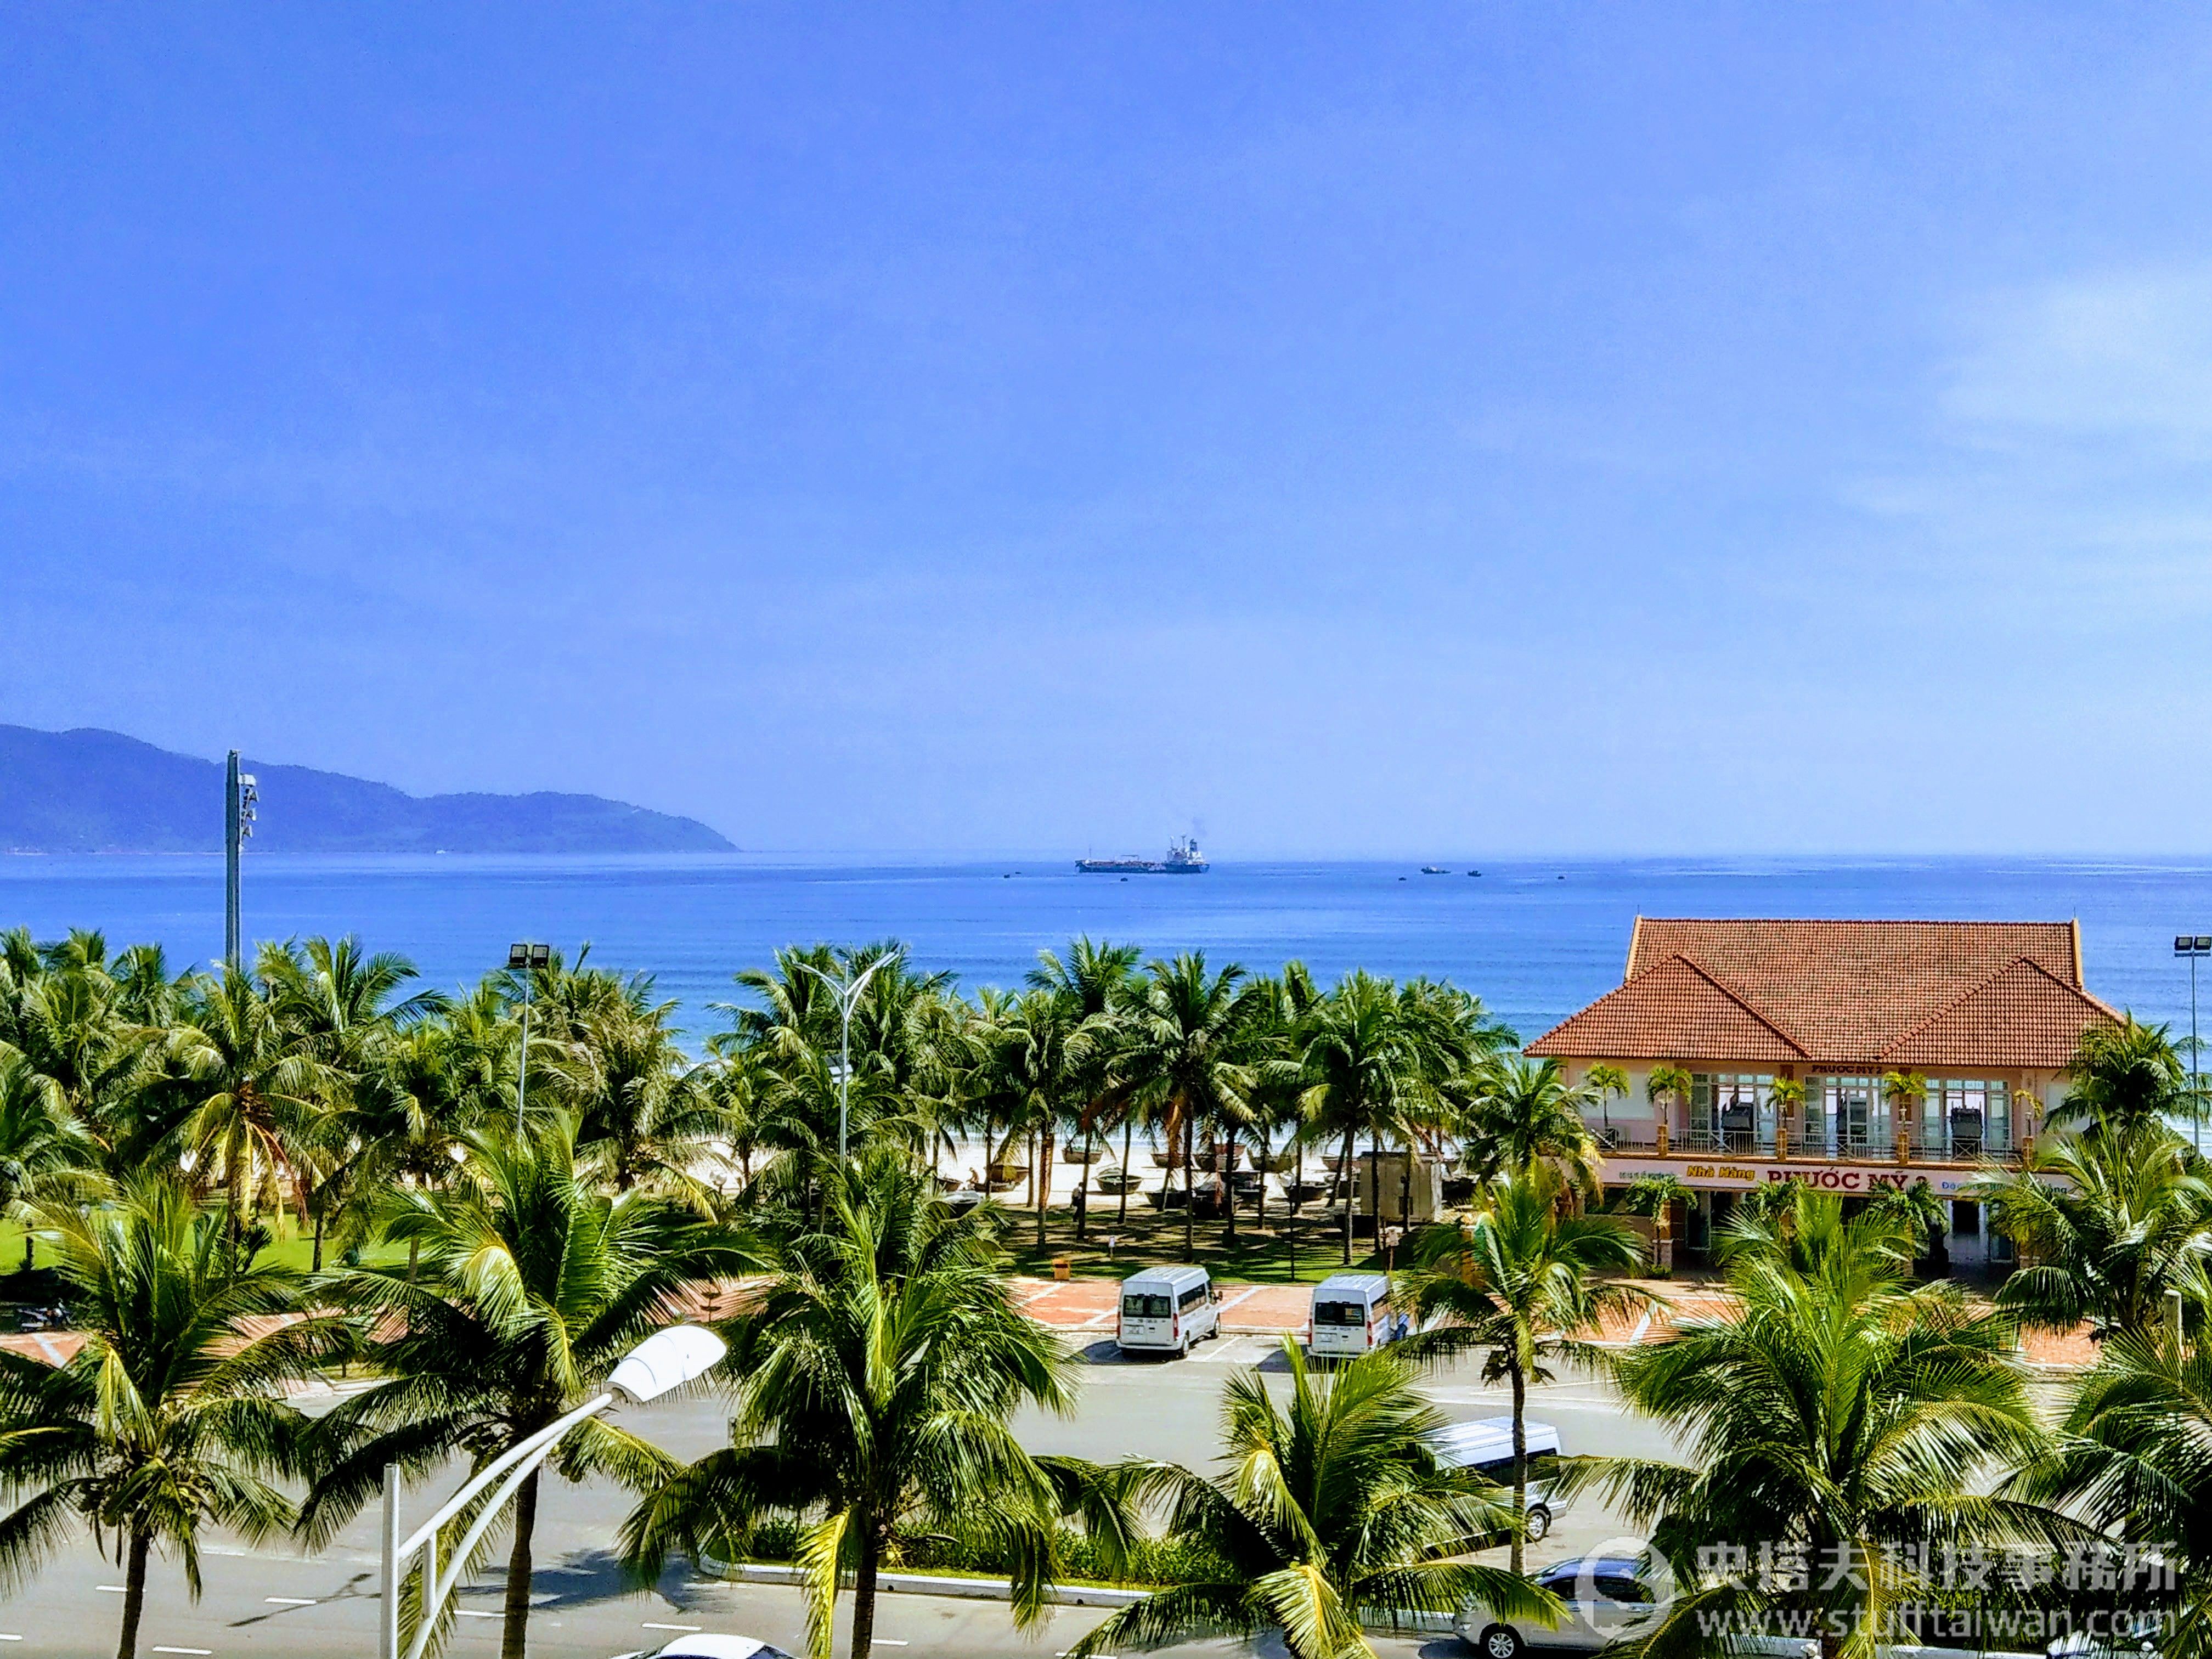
[2120,357]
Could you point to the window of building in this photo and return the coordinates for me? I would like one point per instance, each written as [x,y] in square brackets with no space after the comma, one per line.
[1731,1111]
[1966,1117]
[1966,1219]
[1846,1115]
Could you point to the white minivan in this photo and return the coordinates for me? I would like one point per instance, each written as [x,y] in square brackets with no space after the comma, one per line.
[1486,1446]
[1165,1310]
[1351,1315]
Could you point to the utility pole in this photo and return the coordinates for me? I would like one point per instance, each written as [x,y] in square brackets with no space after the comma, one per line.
[2193,946]
[527,959]
[239,797]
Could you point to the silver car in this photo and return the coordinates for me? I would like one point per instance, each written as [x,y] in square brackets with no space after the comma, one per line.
[1610,1599]
[703,1646]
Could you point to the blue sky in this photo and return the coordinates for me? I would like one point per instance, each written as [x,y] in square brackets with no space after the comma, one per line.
[1387,430]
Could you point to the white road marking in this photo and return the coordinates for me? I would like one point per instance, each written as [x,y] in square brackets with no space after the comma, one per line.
[6,1636]
[290,1601]
[112,1590]
[202,1651]
[471,1613]
[1232,1350]
[651,1625]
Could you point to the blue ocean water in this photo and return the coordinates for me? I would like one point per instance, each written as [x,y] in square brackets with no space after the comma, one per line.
[1535,940]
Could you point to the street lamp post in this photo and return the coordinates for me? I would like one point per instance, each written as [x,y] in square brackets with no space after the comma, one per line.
[667,1359]
[847,994]
[527,959]
[2194,946]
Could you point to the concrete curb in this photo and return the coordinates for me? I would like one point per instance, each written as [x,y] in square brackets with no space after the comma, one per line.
[923,1583]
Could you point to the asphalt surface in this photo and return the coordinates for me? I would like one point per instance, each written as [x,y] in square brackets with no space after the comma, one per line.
[272,1600]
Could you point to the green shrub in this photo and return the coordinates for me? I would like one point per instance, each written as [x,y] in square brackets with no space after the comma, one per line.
[1154,1561]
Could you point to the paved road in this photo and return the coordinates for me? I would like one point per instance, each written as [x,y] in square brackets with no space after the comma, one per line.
[273,1601]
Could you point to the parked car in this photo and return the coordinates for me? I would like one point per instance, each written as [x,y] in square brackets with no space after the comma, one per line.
[1486,1446]
[701,1646]
[1166,1310]
[2136,1639]
[1352,1315]
[1610,1599]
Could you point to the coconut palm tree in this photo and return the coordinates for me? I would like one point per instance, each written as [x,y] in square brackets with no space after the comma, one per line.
[1094,982]
[1332,1512]
[169,1420]
[1606,1081]
[341,998]
[42,1145]
[404,1120]
[1365,1066]
[2133,1458]
[1520,1283]
[340,1002]
[1904,1091]
[2126,1074]
[1786,1095]
[1038,1075]
[258,1089]
[1668,1087]
[1841,1415]
[530,1286]
[876,1374]
[1182,1055]
[2107,1221]
[643,1109]
[1521,1112]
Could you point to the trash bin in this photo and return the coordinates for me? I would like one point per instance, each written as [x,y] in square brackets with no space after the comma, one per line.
[1063,1268]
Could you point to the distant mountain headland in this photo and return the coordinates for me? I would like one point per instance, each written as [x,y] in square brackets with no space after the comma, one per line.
[89,791]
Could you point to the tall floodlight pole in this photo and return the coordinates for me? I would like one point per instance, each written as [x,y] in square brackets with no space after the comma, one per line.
[847,994]
[2193,946]
[239,797]
[526,959]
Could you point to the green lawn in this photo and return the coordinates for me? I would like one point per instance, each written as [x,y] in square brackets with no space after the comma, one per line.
[1150,1236]
[291,1249]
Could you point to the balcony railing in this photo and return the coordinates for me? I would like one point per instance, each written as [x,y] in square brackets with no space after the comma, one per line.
[1872,1146]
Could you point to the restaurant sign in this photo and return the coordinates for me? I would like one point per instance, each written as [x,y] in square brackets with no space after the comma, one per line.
[1736,1175]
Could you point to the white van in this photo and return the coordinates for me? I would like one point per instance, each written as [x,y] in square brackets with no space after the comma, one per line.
[1352,1315]
[1165,1310]
[1486,1446]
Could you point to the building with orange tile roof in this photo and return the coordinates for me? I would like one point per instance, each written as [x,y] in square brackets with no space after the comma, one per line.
[1986,1014]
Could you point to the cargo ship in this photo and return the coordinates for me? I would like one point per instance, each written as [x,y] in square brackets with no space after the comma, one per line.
[1183,858]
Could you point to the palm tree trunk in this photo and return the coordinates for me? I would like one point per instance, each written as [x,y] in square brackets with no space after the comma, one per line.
[317,1266]
[1128,1132]
[1043,1180]
[134,1594]
[1228,1192]
[1190,1197]
[1297,1180]
[864,1589]
[1520,1456]
[515,1633]
[1260,1158]
[415,1250]
[1082,1210]
[1405,1193]
[1350,1195]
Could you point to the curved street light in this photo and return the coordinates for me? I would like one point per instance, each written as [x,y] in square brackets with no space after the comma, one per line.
[848,994]
[667,1359]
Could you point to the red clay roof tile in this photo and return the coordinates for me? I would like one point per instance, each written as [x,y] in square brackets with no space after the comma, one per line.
[1858,994]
